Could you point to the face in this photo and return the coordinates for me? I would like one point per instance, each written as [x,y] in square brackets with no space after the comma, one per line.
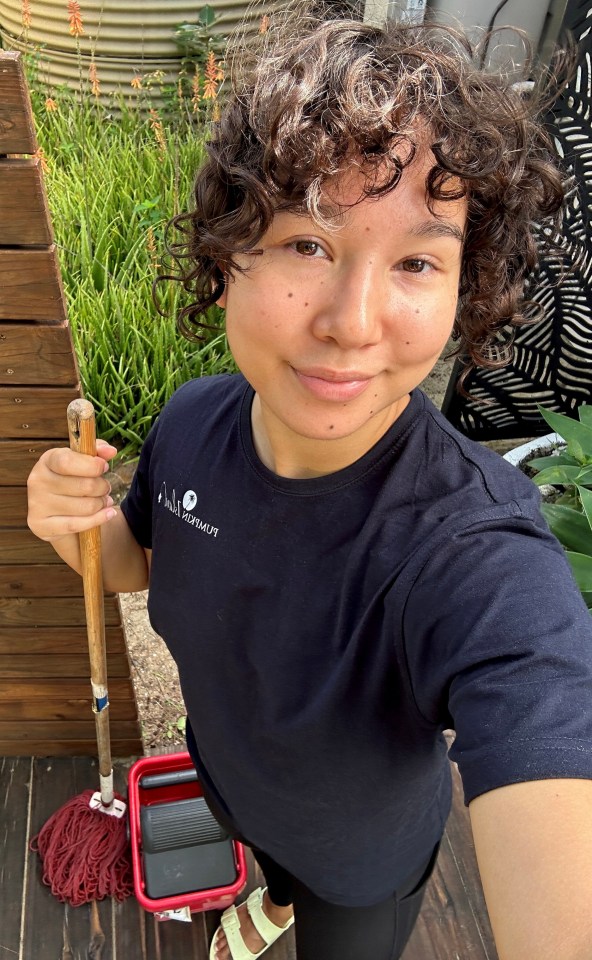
[333,328]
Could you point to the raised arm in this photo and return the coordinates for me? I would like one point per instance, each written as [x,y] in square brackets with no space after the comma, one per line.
[68,493]
[534,849]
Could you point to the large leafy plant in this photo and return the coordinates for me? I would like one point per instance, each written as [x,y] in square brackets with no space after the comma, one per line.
[569,468]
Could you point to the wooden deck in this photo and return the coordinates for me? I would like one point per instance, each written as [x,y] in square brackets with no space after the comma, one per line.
[33,926]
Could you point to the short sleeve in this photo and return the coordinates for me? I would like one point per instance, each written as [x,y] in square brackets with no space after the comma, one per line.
[498,644]
[137,505]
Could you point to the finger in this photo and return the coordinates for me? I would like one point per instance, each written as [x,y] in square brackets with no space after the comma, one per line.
[70,463]
[56,527]
[44,481]
[52,516]
[65,506]
[106,450]
[58,485]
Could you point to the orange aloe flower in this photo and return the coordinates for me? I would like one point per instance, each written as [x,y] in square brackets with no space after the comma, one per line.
[152,250]
[75,18]
[26,14]
[94,79]
[214,74]
[156,126]
[264,24]
[51,105]
[40,155]
[195,94]
[136,82]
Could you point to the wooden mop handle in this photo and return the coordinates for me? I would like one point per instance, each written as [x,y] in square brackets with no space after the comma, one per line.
[81,429]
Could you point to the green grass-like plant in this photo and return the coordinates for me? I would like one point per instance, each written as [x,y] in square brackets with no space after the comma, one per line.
[570,469]
[114,177]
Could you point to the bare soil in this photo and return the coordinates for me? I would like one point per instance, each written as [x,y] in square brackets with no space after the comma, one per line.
[154,673]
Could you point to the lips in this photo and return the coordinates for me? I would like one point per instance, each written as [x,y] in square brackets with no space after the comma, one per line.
[335,385]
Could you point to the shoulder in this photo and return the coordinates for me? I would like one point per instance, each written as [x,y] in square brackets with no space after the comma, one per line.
[199,404]
[205,393]
[465,477]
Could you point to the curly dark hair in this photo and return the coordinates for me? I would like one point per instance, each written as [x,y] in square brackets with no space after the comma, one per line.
[316,91]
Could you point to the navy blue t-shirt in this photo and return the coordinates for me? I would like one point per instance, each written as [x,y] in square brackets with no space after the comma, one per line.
[328,630]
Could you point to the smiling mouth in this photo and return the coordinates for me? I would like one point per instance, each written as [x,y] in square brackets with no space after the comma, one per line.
[333,385]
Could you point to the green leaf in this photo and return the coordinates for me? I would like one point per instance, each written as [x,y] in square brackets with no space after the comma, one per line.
[585,414]
[586,499]
[578,436]
[569,526]
[564,476]
[555,460]
[587,595]
[581,566]
[207,15]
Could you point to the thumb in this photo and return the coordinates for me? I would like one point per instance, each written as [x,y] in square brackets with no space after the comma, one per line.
[105,450]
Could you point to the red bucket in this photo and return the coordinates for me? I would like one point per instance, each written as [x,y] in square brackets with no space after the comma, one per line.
[176,843]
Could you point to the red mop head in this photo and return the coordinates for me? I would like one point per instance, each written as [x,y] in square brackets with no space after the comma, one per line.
[85,853]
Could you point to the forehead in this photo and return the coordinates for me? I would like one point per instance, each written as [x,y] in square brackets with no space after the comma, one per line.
[346,200]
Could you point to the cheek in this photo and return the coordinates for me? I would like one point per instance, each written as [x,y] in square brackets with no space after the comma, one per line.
[424,333]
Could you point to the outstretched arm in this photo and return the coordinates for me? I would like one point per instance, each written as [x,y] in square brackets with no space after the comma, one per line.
[534,849]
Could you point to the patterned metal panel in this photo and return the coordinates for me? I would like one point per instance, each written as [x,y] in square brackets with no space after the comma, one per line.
[552,363]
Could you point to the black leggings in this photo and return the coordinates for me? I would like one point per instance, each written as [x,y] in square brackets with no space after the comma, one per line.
[325,931]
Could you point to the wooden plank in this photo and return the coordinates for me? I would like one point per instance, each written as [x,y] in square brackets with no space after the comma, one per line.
[187,942]
[68,748]
[460,837]
[25,612]
[13,508]
[22,546]
[15,779]
[17,129]
[56,640]
[37,412]
[37,354]
[18,457]
[59,730]
[61,709]
[31,286]
[133,930]
[39,580]
[27,666]
[120,688]
[24,214]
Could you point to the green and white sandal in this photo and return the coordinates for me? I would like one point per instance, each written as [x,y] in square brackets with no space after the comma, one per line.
[230,924]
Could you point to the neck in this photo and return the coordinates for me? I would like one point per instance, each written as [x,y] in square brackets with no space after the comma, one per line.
[295,457]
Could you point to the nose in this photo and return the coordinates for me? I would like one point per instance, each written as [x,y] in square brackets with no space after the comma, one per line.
[351,310]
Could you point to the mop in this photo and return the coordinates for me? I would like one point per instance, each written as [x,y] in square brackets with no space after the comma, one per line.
[84,846]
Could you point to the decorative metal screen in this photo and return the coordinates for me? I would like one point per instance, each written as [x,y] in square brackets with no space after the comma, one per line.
[552,362]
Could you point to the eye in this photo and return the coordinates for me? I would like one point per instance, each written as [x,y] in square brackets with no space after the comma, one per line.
[416,265]
[308,248]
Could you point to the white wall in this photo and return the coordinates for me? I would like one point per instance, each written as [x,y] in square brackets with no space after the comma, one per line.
[540,19]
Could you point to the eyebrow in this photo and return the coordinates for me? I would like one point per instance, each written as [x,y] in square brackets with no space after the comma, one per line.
[437,228]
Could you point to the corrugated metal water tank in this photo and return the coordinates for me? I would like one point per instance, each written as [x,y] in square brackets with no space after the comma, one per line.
[127,38]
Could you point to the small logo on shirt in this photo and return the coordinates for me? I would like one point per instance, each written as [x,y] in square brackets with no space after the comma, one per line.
[182,506]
